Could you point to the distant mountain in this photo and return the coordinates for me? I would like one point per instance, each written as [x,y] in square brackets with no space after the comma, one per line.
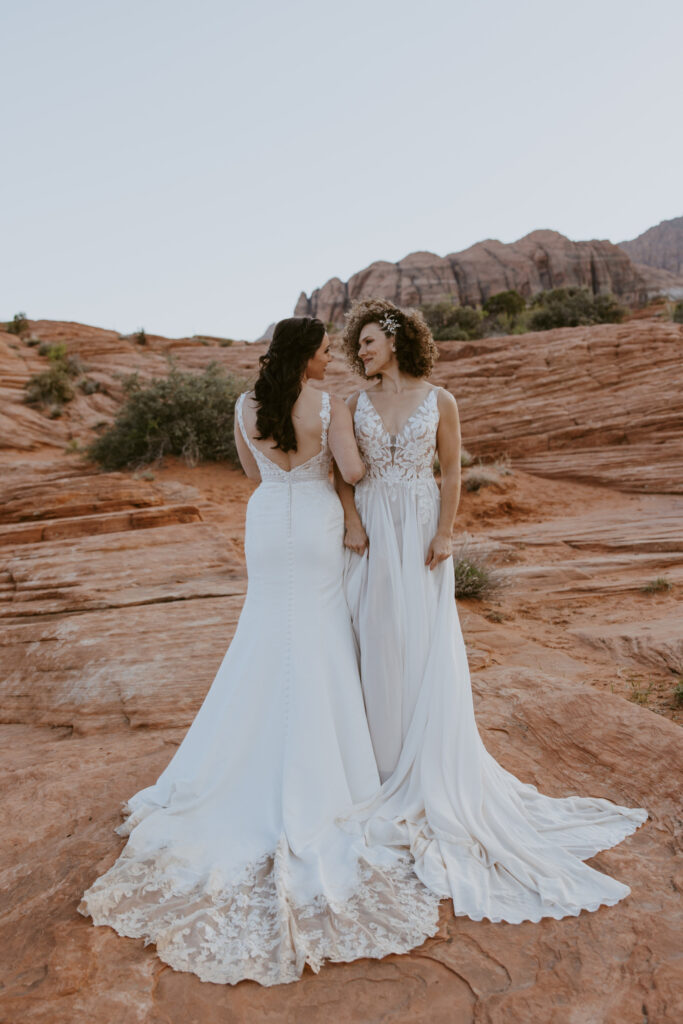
[660,247]
[541,260]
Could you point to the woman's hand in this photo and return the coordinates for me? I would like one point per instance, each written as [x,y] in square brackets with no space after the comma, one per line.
[355,537]
[440,549]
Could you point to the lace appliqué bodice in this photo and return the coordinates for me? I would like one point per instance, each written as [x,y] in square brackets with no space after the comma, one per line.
[315,468]
[403,459]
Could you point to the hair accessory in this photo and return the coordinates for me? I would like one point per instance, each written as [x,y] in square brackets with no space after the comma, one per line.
[389,324]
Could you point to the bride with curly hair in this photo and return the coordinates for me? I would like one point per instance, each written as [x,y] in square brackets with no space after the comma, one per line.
[496,846]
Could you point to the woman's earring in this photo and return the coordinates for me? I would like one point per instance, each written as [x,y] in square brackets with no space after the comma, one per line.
[393,348]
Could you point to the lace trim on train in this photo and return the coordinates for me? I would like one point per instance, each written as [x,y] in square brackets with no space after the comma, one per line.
[253,928]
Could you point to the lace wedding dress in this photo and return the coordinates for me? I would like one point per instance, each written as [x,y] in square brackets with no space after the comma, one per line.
[234,866]
[497,847]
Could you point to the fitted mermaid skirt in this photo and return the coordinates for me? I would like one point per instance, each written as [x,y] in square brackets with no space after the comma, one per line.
[234,865]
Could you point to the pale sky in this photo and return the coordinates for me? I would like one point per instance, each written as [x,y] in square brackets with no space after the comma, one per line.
[191,167]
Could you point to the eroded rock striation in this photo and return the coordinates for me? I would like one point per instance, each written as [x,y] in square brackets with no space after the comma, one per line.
[119,593]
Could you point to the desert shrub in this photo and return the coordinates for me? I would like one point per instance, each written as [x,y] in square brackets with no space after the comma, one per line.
[475,576]
[89,386]
[139,337]
[182,414]
[677,314]
[51,387]
[75,366]
[678,692]
[465,458]
[509,303]
[476,480]
[18,324]
[572,307]
[660,585]
[210,339]
[55,353]
[60,359]
[484,474]
[450,322]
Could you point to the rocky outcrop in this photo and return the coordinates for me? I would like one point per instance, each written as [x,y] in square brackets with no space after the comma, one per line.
[660,247]
[601,404]
[540,260]
[119,593]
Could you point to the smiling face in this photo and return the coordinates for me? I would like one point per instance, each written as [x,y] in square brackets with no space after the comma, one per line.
[374,350]
[317,364]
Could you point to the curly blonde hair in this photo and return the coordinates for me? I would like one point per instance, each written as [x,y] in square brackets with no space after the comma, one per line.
[416,351]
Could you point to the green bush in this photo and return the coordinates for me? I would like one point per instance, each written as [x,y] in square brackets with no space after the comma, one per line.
[677,315]
[509,303]
[52,387]
[507,313]
[450,322]
[183,414]
[660,585]
[18,324]
[573,307]
[140,337]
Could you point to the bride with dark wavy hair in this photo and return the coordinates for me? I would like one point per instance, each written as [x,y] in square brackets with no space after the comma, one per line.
[234,865]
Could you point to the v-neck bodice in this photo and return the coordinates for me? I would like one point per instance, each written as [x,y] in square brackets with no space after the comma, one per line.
[403,457]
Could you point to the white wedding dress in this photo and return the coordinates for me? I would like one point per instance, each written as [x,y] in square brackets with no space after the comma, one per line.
[234,866]
[496,846]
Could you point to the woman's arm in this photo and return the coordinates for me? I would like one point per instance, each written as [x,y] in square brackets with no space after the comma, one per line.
[343,444]
[246,458]
[355,536]
[448,448]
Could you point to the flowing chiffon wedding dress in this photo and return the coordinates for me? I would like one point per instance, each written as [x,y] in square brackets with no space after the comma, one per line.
[234,865]
[497,847]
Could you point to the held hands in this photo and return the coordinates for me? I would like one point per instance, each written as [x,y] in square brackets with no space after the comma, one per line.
[439,550]
[355,537]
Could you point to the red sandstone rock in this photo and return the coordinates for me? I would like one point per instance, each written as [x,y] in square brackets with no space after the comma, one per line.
[659,247]
[540,260]
[110,640]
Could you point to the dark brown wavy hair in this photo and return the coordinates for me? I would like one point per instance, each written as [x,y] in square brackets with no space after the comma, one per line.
[416,351]
[295,341]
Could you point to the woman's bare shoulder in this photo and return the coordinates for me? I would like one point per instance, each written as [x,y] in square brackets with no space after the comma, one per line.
[352,400]
[444,398]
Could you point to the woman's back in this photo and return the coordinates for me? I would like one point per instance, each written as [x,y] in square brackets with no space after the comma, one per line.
[308,428]
[322,428]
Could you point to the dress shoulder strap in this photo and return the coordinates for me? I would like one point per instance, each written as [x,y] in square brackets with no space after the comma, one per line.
[240,419]
[325,416]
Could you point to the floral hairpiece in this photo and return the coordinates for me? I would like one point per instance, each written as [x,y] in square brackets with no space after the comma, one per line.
[389,324]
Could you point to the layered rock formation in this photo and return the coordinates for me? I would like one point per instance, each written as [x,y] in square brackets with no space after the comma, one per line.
[602,403]
[660,247]
[120,592]
[540,260]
